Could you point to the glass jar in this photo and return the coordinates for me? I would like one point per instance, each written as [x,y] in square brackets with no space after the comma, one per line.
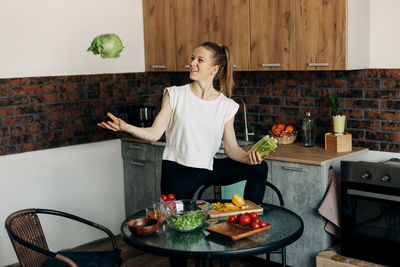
[308,130]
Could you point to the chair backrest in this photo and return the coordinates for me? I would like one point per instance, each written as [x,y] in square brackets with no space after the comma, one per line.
[203,188]
[25,225]
[267,184]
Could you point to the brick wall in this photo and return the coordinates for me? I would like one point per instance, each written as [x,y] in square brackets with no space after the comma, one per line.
[46,112]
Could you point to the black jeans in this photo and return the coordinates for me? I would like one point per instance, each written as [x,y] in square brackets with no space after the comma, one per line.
[183,181]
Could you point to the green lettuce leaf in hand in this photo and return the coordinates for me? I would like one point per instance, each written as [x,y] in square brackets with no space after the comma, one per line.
[107,45]
[266,145]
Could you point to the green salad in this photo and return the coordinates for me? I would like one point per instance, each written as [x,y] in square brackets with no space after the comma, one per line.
[187,221]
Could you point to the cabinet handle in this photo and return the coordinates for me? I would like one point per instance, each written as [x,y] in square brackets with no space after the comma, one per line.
[159,67]
[136,147]
[270,65]
[296,169]
[318,64]
[136,163]
[235,66]
[186,66]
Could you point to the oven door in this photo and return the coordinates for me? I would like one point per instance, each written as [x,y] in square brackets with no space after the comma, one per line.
[370,223]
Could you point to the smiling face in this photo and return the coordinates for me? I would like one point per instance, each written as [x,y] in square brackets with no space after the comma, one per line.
[202,66]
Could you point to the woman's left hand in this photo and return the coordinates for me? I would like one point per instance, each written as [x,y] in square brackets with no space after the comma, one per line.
[254,157]
[116,125]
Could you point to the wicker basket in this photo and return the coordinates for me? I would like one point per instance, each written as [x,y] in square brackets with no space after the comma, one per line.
[285,140]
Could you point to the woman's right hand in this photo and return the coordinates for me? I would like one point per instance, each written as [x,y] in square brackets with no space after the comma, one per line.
[115,125]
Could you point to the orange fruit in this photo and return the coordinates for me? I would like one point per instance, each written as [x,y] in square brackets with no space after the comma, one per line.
[276,132]
[273,127]
[289,128]
[281,126]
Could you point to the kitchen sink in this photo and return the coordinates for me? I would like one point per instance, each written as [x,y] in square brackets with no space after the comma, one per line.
[240,143]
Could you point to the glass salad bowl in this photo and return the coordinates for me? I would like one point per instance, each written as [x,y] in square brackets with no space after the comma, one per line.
[185,215]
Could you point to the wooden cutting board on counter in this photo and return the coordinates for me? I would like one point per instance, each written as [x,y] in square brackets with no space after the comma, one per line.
[252,207]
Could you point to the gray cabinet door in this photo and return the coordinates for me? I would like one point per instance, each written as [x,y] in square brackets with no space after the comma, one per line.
[158,152]
[139,176]
[302,187]
[138,151]
[139,182]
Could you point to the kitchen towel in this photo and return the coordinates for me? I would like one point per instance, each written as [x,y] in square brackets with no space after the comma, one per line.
[330,205]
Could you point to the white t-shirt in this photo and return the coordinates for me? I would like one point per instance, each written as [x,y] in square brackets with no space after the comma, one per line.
[195,131]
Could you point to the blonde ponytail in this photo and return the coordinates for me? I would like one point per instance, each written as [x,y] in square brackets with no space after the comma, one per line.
[222,59]
[226,76]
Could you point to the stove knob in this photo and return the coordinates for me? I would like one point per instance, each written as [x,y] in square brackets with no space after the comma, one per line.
[365,175]
[386,178]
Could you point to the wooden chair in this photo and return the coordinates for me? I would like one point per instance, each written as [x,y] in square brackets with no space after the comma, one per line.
[281,251]
[30,245]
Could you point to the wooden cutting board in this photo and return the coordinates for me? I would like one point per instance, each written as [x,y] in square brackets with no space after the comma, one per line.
[251,207]
[234,231]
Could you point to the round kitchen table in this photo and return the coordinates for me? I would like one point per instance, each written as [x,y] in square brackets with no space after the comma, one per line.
[286,228]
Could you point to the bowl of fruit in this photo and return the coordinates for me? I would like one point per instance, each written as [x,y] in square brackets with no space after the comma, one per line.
[284,134]
[185,215]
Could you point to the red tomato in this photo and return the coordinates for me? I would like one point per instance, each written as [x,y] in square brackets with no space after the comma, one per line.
[232,219]
[171,197]
[248,214]
[263,224]
[253,215]
[256,220]
[245,219]
[238,216]
[255,225]
[164,198]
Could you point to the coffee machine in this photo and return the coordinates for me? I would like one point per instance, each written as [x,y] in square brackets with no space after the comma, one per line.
[142,116]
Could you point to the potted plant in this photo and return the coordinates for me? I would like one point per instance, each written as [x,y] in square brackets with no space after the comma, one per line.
[339,119]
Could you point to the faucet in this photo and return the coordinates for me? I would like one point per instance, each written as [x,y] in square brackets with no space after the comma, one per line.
[246,130]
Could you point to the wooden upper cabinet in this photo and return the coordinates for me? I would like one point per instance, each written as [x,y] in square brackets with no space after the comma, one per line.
[272,34]
[231,27]
[220,21]
[159,35]
[262,34]
[320,34]
[193,26]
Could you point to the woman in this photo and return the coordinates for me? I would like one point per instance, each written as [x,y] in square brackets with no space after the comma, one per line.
[195,118]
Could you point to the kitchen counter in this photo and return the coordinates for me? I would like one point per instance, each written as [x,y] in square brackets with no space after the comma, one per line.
[316,155]
[296,152]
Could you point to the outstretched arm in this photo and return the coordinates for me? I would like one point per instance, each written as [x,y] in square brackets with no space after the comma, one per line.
[152,133]
[234,151]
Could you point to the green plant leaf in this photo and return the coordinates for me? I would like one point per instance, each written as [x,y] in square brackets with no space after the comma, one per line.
[334,104]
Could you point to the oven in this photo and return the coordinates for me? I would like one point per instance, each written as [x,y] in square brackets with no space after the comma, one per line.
[370,211]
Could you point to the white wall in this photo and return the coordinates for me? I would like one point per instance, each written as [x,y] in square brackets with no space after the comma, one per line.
[86,180]
[384,34]
[50,37]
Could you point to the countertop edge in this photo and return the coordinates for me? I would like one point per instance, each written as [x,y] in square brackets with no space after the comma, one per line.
[339,156]
[279,155]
